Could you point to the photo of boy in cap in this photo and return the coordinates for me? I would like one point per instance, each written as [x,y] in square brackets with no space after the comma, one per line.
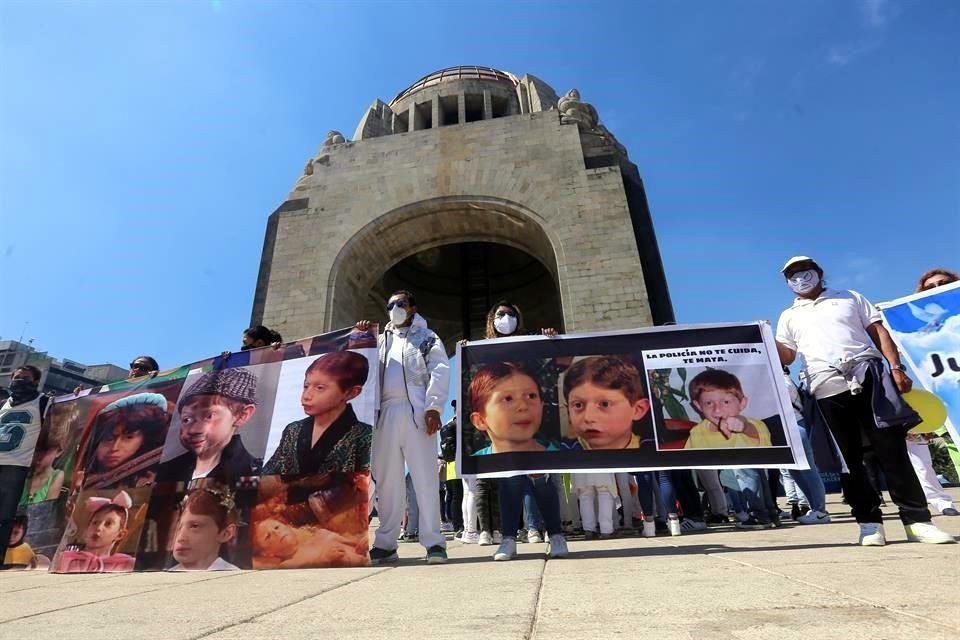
[212,411]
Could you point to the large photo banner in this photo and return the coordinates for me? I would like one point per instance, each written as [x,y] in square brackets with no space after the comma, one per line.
[926,328]
[705,396]
[253,460]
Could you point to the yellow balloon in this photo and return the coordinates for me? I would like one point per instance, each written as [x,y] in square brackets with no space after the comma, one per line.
[931,409]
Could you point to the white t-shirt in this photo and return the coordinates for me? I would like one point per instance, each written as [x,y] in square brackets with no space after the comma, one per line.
[394,387]
[826,330]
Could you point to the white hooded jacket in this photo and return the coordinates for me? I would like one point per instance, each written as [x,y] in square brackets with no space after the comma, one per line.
[426,368]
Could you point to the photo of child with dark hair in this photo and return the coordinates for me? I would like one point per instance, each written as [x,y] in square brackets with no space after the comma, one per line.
[605,398]
[46,479]
[128,436]
[506,404]
[19,554]
[94,547]
[212,411]
[207,523]
[718,397]
[330,438]
[317,521]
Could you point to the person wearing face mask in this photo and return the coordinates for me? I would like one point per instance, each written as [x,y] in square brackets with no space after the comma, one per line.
[414,381]
[843,344]
[21,417]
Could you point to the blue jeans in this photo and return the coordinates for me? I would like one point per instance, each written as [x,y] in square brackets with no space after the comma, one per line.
[646,485]
[544,492]
[755,491]
[678,484]
[809,481]
[532,517]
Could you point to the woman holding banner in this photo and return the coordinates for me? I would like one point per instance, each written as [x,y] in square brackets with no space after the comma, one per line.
[504,319]
[917,443]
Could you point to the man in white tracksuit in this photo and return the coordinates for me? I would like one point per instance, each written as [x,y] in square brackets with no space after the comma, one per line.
[414,380]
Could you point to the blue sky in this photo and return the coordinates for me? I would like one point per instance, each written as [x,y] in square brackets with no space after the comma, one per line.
[143,145]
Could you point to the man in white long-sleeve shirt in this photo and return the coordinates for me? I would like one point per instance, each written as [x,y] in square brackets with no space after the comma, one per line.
[414,380]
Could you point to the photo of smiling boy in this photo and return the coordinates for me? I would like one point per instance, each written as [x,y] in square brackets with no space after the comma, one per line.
[718,397]
[605,397]
[507,405]
[331,437]
[207,522]
[212,412]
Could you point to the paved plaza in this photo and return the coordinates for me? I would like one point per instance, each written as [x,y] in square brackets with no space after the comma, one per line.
[795,582]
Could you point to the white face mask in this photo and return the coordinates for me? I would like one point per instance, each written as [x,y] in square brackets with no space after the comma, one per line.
[803,282]
[505,324]
[398,316]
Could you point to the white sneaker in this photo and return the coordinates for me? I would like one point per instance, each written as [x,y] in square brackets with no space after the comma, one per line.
[470,537]
[485,539]
[872,535]
[673,523]
[533,536]
[497,538]
[558,546]
[926,532]
[814,517]
[507,550]
[649,529]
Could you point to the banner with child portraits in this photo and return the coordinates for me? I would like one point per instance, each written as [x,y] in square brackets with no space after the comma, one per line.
[926,329]
[250,460]
[703,396]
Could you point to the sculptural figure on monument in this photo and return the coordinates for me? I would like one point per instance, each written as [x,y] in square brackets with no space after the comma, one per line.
[307,172]
[333,137]
[572,109]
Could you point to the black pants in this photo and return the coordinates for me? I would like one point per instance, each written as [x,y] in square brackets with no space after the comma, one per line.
[12,480]
[454,503]
[488,504]
[850,418]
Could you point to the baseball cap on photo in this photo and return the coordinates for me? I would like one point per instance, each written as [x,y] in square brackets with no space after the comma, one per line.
[794,260]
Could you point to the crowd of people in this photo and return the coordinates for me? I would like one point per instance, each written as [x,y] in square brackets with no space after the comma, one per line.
[850,364]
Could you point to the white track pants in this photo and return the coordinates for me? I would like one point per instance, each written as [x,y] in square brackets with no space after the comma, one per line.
[397,439]
[594,502]
[923,467]
[470,505]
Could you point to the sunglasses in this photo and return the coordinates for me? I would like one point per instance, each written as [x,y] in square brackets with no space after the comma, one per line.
[139,366]
[400,304]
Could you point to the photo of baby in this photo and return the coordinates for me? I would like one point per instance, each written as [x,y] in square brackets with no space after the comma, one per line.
[316,521]
[606,402]
[126,440]
[103,533]
[506,405]
[220,427]
[331,437]
[709,408]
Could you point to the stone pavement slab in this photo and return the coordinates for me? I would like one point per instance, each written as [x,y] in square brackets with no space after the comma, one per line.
[794,582]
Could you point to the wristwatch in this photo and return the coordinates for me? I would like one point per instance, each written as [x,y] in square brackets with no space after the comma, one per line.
[899,367]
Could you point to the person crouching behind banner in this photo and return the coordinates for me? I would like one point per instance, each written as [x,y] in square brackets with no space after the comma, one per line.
[843,343]
[208,520]
[718,397]
[415,381]
[212,411]
[330,438]
[604,397]
[507,405]
[127,442]
[106,529]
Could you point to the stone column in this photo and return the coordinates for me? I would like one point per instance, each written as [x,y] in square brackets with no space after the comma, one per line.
[411,116]
[436,112]
[461,108]
[487,105]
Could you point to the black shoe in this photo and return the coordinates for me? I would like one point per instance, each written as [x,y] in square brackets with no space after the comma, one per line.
[716,518]
[521,536]
[383,556]
[411,537]
[795,511]
[950,511]
[589,535]
[752,523]
[660,526]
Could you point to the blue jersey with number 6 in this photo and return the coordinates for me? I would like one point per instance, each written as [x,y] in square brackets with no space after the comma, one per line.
[19,430]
